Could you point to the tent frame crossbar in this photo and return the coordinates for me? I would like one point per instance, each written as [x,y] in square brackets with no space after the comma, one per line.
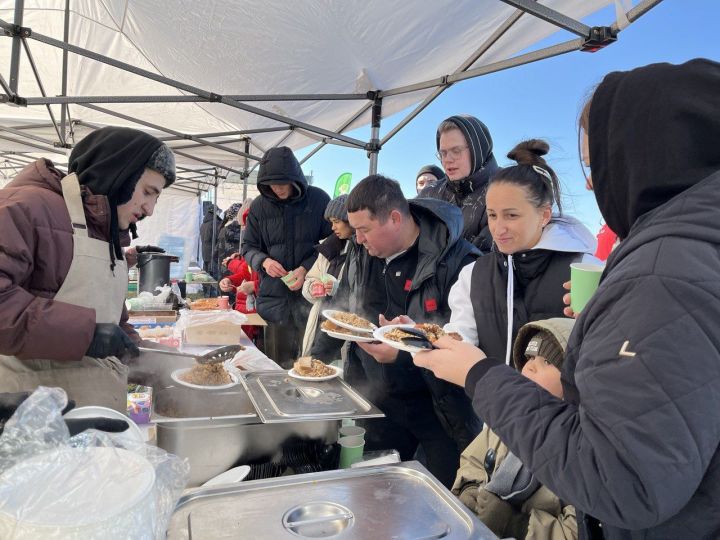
[20,35]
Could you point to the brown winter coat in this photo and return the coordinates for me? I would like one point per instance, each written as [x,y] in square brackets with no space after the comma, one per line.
[542,517]
[36,249]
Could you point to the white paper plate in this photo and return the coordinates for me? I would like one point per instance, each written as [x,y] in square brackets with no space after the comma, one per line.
[175,375]
[133,432]
[349,337]
[295,375]
[329,314]
[379,335]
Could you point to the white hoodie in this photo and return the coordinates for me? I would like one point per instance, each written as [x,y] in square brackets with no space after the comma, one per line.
[563,233]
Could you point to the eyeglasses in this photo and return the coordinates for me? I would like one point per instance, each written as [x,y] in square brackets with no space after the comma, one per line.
[453,152]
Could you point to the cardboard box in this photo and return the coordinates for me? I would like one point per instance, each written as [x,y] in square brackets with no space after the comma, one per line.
[215,333]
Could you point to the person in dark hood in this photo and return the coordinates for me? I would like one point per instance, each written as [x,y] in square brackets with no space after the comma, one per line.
[63,278]
[465,149]
[427,176]
[283,227]
[209,229]
[228,240]
[635,446]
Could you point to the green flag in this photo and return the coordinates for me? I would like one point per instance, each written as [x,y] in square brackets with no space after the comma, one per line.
[342,186]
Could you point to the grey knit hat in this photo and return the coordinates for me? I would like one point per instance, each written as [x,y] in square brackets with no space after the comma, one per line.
[163,161]
[337,208]
[547,338]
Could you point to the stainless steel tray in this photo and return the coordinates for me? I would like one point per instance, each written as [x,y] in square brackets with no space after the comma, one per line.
[402,502]
[181,405]
[280,398]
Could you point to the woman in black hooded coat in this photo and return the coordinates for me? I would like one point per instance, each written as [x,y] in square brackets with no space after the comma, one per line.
[636,443]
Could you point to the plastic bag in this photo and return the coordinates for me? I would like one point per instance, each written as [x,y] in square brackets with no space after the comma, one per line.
[93,485]
[216,327]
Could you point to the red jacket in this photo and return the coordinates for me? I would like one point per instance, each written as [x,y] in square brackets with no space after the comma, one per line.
[241,271]
[36,249]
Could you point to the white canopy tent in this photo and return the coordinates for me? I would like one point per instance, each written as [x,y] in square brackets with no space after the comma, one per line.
[223,81]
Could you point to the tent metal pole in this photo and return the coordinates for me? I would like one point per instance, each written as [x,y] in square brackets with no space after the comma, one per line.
[15,51]
[64,99]
[209,96]
[246,173]
[63,85]
[213,255]
[198,170]
[551,16]
[33,145]
[489,42]
[27,135]
[298,97]
[196,145]
[166,130]
[374,145]
[201,160]
[6,87]
[542,54]
[638,11]
[61,138]
[229,133]
[344,126]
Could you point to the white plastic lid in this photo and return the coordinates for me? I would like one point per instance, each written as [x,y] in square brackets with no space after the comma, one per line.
[74,487]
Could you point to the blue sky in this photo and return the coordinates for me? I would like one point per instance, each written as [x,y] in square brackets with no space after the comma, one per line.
[539,100]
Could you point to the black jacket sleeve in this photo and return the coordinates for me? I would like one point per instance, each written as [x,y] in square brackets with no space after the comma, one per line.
[634,448]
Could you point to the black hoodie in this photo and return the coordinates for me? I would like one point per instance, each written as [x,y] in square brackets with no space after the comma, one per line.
[468,194]
[636,440]
[284,230]
[110,161]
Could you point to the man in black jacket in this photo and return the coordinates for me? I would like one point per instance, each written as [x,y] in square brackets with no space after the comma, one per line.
[409,255]
[465,149]
[283,226]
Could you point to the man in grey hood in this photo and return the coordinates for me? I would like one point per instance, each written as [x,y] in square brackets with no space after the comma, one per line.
[465,149]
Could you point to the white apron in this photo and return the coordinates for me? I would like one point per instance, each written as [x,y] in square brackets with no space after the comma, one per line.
[89,283]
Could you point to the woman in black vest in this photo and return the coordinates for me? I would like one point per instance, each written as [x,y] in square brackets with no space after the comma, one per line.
[532,252]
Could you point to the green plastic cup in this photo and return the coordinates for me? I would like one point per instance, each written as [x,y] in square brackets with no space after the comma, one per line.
[352,431]
[585,278]
[351,450]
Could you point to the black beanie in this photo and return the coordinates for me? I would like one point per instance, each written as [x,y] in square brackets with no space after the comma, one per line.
[110,161]
[436,171]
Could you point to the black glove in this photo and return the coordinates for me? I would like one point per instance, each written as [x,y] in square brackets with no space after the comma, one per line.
[109,425]
[111,340]
[149,249]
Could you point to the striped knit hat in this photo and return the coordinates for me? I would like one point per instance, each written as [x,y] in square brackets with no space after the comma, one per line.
[477,136]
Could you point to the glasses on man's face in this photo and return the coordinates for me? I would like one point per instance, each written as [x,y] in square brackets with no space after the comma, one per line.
[453,152]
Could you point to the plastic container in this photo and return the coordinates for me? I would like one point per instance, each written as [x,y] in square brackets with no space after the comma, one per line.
[139,405]
[216,327]
[93,492]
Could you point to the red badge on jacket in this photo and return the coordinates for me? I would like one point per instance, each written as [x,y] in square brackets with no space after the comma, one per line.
[408,285]
[430,304]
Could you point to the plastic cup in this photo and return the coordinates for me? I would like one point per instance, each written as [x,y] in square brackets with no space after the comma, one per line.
[223,302]
[317,289]
[352,431]
[585,278]
[289,279]
[351,450]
